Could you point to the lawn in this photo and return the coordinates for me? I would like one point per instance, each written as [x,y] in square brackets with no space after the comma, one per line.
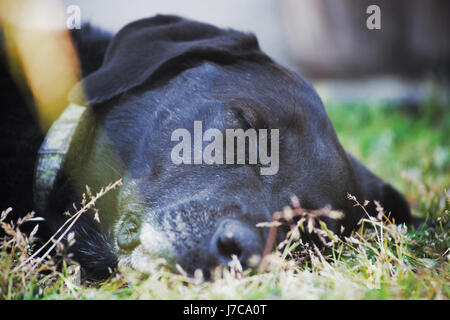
[410,148]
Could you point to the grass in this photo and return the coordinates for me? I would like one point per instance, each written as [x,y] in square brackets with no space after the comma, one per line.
[379,261]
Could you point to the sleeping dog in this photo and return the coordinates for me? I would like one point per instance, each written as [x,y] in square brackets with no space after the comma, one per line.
[163,74]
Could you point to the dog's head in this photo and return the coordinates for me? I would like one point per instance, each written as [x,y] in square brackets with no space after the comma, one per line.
[159,112]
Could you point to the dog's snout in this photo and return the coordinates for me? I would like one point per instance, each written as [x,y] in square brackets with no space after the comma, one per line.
[233,237]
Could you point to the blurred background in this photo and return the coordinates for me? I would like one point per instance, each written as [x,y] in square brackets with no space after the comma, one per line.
[327,41]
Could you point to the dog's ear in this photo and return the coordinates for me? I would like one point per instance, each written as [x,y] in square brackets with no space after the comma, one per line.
[90,42]
[374,188]
[158,47]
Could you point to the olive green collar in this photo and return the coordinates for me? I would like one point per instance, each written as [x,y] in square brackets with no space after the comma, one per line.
[52,153]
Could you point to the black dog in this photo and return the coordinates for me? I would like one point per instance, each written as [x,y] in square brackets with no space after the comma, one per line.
[164,73]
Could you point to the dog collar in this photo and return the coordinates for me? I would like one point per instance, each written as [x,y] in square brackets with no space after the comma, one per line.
[52,153]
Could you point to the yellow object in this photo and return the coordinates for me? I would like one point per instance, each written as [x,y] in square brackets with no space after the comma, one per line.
[40,53]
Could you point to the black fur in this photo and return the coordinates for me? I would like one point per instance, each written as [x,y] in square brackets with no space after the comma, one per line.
[155,49]
[21,137]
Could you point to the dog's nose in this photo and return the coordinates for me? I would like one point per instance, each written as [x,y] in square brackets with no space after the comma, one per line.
[233,237]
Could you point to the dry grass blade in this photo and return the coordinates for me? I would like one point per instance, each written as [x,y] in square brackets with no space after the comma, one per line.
[73,219]
[288,214]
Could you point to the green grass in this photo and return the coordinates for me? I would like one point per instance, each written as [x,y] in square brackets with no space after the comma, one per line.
[380,261]
[411,151]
